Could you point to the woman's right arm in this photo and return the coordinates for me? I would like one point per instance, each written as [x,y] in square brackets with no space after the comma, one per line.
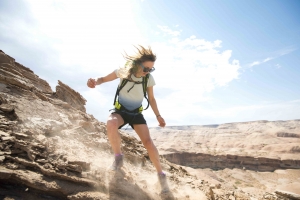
[97,81]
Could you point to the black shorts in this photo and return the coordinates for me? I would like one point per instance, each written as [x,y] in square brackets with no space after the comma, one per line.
[131,119]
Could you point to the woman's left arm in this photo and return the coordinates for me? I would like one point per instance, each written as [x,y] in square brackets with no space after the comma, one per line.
[154,107]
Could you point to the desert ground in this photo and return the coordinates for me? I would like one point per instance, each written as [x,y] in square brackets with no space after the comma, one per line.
[275,140]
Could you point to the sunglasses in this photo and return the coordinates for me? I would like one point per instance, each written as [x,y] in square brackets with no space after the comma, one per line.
[145,69]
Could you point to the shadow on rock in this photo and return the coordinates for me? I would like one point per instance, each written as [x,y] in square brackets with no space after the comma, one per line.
[11,190]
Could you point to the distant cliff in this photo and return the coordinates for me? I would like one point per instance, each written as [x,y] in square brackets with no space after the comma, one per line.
[258,145]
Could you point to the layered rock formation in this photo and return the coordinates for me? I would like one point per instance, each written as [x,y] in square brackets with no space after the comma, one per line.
[201,160]
[14,73]
[50,148]
[70,96]
[259,145]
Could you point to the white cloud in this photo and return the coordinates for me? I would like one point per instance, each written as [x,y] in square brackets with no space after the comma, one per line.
[286,50]
[189,69]
[277,54]
[167,30]
[255,63]
[260,62]
[268,59]
[88,33]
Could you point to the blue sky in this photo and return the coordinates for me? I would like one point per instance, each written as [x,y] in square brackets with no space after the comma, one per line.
[218,61]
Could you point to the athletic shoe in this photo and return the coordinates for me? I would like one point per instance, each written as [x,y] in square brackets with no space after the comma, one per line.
[118,163]
[163,182]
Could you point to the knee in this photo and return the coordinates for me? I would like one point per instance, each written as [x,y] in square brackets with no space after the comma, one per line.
[112,124]
[148,144]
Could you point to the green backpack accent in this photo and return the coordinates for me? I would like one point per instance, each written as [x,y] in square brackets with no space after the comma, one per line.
[118,106]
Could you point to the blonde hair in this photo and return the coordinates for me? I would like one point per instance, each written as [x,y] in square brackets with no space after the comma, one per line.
[134,61]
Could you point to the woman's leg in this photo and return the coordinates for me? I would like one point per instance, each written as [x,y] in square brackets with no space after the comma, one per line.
[143,132]
[113,123]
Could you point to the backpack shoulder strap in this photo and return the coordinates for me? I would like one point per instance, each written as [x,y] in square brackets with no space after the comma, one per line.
[123,83]
[145,83]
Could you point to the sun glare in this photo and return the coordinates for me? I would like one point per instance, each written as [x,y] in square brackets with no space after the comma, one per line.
[84,31]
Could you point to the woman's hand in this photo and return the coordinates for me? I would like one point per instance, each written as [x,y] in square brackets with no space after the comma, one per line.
[161,121]
[92,83]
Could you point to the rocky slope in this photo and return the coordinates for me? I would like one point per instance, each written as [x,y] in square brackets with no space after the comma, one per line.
[50,148]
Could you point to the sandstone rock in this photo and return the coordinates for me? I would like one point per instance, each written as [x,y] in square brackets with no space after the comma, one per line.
[200,160]
[231,197]
[20,135]
[7,108]
[39,83]
[2,158]
[5,67]
[285,134]
[9,78]
[84,165]
[288,195]
[5,58]
[75,168]
[11,139]
[2,99]
[14,73]
[5,173]
[70,96]
[88,196]
[4,134]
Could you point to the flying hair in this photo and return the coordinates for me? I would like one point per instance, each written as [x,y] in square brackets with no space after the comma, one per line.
[133,61]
